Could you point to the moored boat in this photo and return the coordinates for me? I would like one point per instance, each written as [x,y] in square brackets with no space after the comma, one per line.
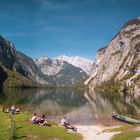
[126,119]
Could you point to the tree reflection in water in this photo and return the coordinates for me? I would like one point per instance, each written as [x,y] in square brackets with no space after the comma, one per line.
[83,106]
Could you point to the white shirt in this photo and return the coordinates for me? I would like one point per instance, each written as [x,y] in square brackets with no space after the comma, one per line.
[34,118]
[64,121]
[13,108]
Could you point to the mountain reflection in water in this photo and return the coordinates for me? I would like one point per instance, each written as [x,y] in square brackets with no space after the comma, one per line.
[83,107]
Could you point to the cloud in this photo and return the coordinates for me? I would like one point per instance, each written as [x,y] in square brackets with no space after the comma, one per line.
[19,24]
[47,4]
[12,34]
[61,4]
[18,21]
[59,29]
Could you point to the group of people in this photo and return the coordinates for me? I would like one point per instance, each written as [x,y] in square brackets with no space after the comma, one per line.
[43,121]
[36,119]
[39,120]
[11,109]
[14,109]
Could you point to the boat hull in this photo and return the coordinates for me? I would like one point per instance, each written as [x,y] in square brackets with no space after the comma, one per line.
[126,119]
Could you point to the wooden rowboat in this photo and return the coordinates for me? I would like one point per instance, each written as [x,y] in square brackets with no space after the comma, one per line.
[126,119]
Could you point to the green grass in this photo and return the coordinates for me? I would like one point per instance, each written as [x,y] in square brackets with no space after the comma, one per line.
[123,128]
[127,136]
[5,126]
[127,133]
[26,131]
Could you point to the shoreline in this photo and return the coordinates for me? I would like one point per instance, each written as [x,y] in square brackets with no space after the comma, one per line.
[98,132]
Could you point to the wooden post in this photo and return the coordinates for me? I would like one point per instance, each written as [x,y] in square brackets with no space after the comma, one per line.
[12,126]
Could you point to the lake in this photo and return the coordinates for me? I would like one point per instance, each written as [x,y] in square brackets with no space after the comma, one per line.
[82,107]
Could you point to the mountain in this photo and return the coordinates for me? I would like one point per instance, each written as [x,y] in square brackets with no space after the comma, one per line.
[18,67]
[3,77]
[19,70]
[60,72]
[48,66]
[80,62]
[118,65]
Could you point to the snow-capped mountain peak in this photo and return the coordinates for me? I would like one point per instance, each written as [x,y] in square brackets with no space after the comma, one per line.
[60,72]
[83,63]
[42,60]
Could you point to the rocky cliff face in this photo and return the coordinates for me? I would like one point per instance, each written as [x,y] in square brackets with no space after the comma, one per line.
[60,72]
[20,68]
[7,53]
[18,62]
[26,66]
[120,60]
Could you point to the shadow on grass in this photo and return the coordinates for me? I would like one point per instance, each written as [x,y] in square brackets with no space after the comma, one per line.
[19,137]
[18,127]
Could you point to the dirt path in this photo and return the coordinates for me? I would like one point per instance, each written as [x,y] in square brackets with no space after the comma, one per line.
[95,132]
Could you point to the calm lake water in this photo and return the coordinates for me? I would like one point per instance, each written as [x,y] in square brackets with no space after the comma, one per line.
[81,107]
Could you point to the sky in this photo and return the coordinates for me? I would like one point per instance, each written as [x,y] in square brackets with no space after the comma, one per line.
[57,27]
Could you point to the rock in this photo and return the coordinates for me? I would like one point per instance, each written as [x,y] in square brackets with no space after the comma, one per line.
[60,72]
[19,62]
[80,62]
[119,60]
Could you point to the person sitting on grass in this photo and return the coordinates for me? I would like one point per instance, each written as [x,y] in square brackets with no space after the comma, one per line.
[35,119]
[13,110]
[67,124]
[43,121]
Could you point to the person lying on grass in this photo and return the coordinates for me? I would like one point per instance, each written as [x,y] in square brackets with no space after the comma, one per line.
[67,124]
